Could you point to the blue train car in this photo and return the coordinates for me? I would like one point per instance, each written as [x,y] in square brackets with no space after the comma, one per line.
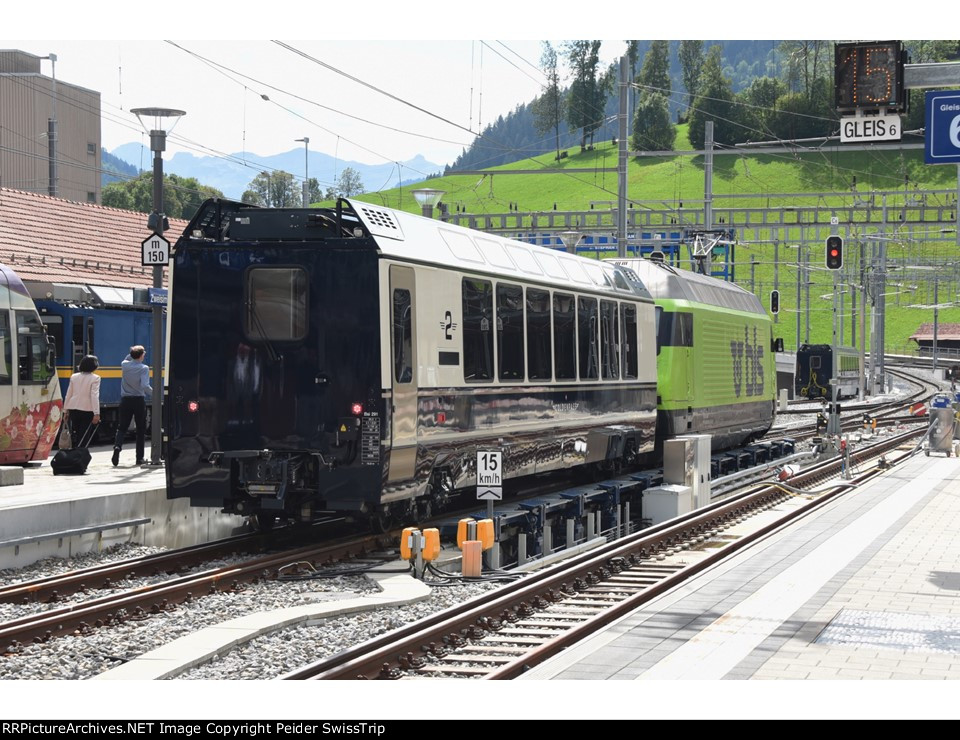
[106,322]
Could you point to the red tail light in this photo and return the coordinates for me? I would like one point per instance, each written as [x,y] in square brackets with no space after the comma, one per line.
[357,409]
[192,407]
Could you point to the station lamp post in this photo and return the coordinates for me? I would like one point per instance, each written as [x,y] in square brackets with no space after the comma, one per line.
[428,199]
[570,240]
[157,222]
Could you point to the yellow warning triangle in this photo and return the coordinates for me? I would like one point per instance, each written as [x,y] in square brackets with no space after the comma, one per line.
[343,427]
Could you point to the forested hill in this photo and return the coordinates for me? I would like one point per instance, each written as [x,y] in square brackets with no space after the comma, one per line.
[514,136]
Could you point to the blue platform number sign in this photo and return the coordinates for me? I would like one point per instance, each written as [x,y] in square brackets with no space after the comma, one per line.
[156,251]
[942,140]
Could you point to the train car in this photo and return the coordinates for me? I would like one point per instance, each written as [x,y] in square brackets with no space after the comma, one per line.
[93,320]
[31,406]
[356,359]
[715,362]
[818,364]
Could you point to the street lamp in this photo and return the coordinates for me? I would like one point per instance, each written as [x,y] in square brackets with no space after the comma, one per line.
[428,198]
[157,222]
[570,240]
[306,171]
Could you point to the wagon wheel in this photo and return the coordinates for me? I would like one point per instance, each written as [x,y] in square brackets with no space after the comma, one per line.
[382,520]
[265,521]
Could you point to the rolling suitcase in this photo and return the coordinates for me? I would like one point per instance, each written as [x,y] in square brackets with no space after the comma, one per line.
[76,460]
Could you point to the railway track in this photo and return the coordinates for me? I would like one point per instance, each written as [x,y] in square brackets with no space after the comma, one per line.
[140,602]
[501,635]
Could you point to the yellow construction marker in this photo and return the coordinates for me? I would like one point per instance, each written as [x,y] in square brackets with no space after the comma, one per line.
[431,544]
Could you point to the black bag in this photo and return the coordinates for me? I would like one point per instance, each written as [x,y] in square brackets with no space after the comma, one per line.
[75,461]
[71,462]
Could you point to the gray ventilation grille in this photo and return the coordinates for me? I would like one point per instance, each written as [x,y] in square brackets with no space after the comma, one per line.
[380,222]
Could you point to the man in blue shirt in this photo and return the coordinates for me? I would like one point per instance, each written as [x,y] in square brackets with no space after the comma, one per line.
[134,390]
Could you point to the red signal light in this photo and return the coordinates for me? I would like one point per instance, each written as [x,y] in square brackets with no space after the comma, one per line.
[834,253]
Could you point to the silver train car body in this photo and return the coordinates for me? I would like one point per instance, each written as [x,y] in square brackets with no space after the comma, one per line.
[408,345]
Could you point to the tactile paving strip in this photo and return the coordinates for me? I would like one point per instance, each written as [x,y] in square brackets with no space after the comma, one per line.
[894,631]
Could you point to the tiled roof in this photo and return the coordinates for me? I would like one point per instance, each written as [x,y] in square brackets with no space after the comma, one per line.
[45,238]
[945,332]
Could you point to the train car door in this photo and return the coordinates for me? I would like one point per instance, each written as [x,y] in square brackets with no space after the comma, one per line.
[8,385]
[82,338]
[403,373]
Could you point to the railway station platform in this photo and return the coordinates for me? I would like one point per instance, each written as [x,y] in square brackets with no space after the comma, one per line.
[59,516]
[866,587]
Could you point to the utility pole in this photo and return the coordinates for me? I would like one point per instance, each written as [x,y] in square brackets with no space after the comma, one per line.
[806,261]
[708,176]
[882,298]
[622,161]
[776,273]
[936,314]
[157,222]
[52,133]
[863,318]
[799,272]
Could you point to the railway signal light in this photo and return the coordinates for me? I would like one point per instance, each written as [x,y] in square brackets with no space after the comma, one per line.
[834,252]
[774,301]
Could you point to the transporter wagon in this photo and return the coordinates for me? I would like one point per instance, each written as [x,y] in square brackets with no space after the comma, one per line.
[356,359]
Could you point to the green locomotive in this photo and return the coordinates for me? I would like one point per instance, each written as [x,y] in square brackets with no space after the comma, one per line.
[716,372]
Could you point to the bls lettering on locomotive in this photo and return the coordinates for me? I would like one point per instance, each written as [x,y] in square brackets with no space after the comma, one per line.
[747,364]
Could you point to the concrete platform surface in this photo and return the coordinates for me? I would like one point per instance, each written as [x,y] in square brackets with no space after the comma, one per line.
[59,515]
[866,588]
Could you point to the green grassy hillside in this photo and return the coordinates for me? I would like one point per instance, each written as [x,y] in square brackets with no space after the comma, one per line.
[675,179]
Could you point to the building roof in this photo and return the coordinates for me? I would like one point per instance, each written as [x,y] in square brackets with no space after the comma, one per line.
[945,333]
[51,239]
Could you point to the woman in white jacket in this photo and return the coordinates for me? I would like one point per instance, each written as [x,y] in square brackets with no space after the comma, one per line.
[81,407]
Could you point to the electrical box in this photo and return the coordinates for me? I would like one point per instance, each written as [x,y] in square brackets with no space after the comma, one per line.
[666,502]
[686,462]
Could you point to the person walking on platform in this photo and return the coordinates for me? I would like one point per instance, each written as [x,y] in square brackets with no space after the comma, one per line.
[81,407]
[134,389]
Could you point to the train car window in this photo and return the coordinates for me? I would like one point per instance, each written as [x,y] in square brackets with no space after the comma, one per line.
[597,274]
[477,330]
[461,246]
[609,340]
[620,280]
[564,337]
[510,332]
[628,321]
[6,354]
[494,253]
[538,335]
[276,304]
[32,347]
[524,259]
[90,349]
[402,337]
[574,270]
[551,266]
[78,352]
[54,325]
[587,332]
[684,329]
[674,329]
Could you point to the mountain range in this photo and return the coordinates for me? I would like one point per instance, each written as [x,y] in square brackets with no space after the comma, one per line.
[232,174]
